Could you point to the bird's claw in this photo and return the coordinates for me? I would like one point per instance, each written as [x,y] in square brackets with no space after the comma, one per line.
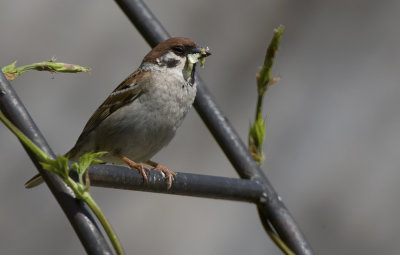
[168,174]
[142,169]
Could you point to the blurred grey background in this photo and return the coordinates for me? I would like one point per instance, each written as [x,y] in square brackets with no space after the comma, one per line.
[333,131]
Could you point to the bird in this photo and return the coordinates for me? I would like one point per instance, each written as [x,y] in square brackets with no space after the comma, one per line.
[142,114]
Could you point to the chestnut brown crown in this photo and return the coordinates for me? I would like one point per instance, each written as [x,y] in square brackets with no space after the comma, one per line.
[181,46]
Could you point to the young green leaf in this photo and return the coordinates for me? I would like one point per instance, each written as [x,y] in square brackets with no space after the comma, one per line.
[89,159]
[58,166]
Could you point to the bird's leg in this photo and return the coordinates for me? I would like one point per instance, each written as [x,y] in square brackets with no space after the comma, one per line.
[142,169]
[168,173]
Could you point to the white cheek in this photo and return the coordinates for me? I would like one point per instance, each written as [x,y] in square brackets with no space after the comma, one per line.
[172,56]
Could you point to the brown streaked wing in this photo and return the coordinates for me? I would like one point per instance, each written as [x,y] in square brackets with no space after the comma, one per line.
[126,92]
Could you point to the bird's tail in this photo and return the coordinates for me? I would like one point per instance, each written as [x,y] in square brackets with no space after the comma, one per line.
[34,181]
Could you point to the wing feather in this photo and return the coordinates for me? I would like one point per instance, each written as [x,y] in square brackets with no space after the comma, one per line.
[126,92]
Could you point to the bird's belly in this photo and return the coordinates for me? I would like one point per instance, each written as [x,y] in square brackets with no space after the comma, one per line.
[138,136]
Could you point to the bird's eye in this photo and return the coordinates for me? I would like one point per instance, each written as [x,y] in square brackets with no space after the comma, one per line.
[178,50]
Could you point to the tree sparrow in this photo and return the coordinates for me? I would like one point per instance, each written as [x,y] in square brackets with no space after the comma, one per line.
[142,114]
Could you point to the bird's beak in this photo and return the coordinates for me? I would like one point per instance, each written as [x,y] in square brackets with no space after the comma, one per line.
[204,52]
[199,54]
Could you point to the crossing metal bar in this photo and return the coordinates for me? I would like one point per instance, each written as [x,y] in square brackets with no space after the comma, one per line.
[77,213]
[272,211]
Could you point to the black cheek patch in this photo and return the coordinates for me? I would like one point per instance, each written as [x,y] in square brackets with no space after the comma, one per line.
[172,62]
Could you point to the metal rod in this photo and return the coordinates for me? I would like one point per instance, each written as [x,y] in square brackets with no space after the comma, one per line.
[144,20]
[273,210]
[77,213]
[120,177]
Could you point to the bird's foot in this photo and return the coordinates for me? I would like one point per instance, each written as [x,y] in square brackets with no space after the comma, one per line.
[168,173]
[132,164]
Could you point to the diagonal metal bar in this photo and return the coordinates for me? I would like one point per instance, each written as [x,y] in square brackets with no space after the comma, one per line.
[77,213]
[273,211]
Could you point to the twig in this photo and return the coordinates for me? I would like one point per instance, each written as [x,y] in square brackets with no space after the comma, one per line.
[11,72]
[264,81]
